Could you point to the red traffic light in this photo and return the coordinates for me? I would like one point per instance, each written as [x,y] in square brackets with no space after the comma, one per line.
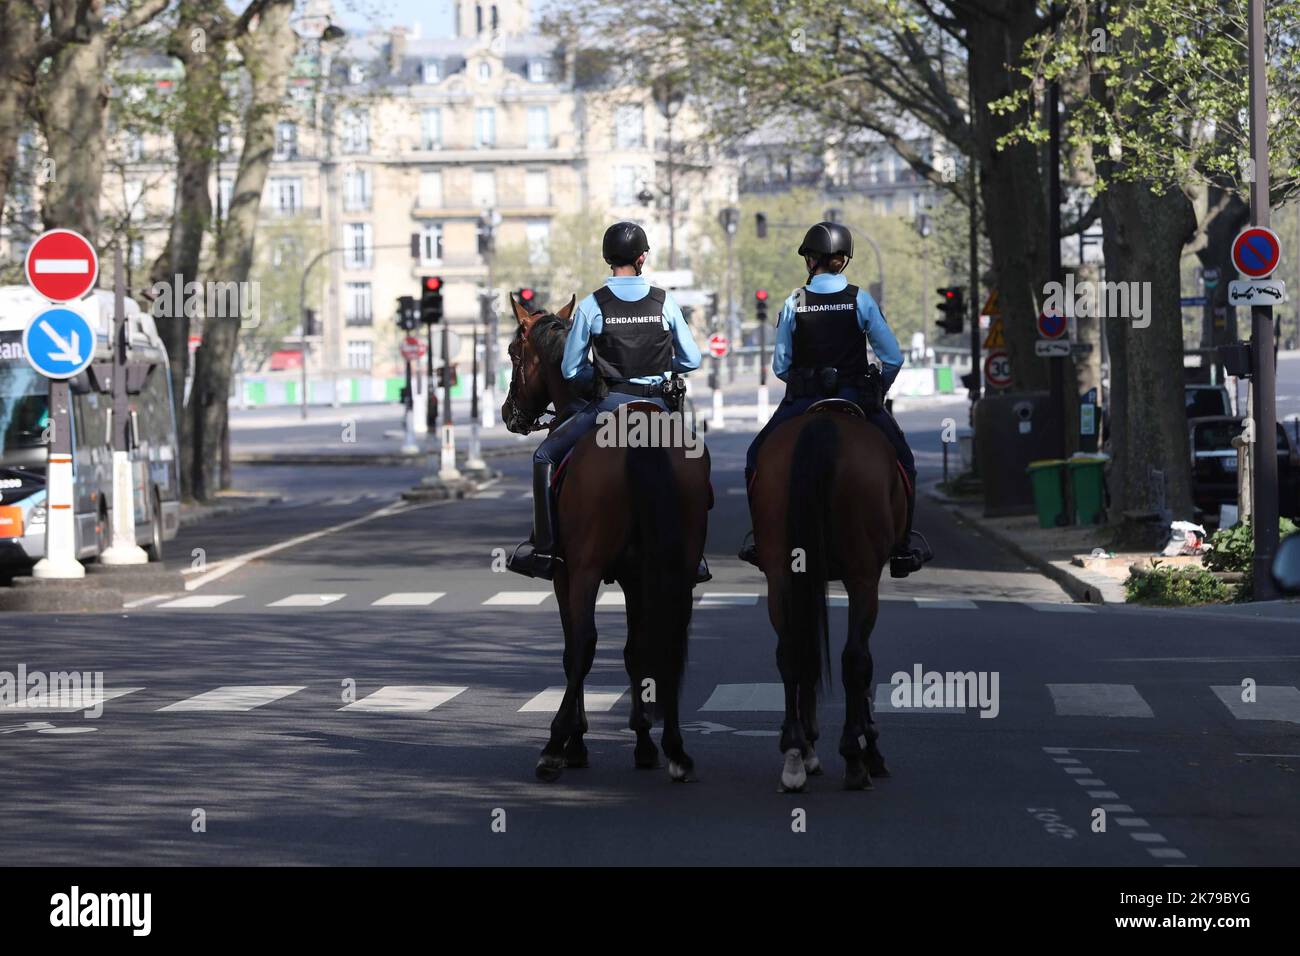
[526,295]
[761,295]
[948,293]
[433,283]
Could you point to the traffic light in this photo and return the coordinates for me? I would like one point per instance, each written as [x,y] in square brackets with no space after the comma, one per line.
[309,322]
[431,300]
[407,316]
[713,307]
[527,298]
[760,305]
[485,236]
[952,308]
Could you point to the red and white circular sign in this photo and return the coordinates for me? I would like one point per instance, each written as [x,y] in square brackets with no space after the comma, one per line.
[997,369]
[62,265]
[718,345]
[412,348]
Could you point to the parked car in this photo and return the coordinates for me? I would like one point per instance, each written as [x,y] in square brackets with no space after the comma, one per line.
[1205,400]
[1214,465]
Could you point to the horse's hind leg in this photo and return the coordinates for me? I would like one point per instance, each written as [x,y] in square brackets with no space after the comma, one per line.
[864,605]
[811,730]
[794,774]
[680,764]
[578,595]
[646,755]
[875,759]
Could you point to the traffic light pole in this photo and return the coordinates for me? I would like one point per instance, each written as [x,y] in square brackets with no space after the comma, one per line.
[1263,379]
[475,466]
[410,445]
[447,471]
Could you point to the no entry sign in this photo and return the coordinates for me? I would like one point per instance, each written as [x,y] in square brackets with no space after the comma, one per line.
[718,345]
[412,349]
[1256,251]
[62,265]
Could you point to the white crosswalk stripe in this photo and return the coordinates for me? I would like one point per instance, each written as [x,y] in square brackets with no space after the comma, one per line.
[737,697]
[55,702]
[1272,702]
[404,700]
[201,601]
[238,698]
[612,599]
[517,598]
[409,599]
[883,702]
[307,600]
[595,699]
[722,599]
[1098,700]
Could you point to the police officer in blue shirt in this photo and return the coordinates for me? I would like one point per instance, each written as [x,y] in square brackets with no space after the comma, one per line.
[624,340]
[821,352]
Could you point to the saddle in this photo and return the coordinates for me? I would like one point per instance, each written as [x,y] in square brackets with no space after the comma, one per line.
[841,406]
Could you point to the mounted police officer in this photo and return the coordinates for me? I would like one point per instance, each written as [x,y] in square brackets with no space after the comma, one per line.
[821,352]
[624,340]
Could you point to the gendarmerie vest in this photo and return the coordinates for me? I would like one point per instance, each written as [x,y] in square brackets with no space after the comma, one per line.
[827,333]
[633,342]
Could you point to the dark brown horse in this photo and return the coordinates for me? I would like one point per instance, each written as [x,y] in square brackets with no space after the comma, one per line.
[635,515]
[828,503]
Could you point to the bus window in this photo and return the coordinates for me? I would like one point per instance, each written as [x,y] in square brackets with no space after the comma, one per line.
[24,407]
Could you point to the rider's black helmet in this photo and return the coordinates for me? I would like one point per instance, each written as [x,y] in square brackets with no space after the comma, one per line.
[623,244]
[827,239]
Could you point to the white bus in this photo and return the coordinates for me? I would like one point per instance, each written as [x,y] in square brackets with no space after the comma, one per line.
[24,425]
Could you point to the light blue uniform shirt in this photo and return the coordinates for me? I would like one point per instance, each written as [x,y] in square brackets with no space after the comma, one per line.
[588,321]
[870,320]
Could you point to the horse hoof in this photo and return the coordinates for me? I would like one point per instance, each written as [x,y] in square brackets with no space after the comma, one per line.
[794,776]
[680,772]
[812,764]
[549,769]
[576,757]
[646,758]
[856,776]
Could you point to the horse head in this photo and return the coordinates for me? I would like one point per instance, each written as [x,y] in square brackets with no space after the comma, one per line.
[535,353]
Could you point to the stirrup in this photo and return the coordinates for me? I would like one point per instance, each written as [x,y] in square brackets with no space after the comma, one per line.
[702,573]
[910,559]
[748,550]
[533,564]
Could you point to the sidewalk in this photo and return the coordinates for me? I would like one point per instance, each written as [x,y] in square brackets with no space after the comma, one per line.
[1058,553]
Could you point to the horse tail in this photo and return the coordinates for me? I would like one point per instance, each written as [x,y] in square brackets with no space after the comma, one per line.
[812,472]
[660,546]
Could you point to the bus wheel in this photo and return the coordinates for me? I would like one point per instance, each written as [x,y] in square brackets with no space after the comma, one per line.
[155,546]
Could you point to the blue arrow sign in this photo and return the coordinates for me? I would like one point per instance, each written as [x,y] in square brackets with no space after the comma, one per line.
[59,343]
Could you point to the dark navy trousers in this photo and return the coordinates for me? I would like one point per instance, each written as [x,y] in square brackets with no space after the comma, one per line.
[565,435]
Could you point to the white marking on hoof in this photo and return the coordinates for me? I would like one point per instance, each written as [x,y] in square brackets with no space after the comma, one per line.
[677,771]
[793,775]
[812,763]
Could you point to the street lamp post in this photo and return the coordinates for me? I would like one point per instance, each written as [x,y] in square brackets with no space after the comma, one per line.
[729,219]
[669,98]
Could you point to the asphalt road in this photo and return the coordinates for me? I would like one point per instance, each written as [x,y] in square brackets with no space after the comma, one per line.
[236,708]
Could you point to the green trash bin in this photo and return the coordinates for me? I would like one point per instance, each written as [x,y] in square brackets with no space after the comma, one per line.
[1088,488]
[1048,480]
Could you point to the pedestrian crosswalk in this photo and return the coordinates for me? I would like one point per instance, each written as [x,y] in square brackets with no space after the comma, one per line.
[610,599]
[1078,703]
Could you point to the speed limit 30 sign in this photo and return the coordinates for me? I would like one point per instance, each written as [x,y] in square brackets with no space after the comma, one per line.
[997,369]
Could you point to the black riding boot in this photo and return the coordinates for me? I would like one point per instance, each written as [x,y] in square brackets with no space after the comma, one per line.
[536,557]
[908,557]
[749,550]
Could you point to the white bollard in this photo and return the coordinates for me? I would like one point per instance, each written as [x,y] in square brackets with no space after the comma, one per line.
[717,420]
[763,410]
[60,559]
[474,460]
[420,400]
[448,470]
[409,444]
[489,407]
[122,548]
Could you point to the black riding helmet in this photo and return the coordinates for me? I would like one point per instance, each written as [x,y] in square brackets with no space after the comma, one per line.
[827,239]
[623,244]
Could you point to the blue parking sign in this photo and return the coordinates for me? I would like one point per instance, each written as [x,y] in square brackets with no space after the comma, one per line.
[59,343]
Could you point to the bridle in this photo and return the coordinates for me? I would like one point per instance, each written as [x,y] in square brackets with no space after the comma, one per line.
[519,423]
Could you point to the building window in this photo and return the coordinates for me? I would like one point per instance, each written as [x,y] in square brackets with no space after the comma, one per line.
[539,133]
[629,127]
[356,132]
[431,128]
[537,71]
[134,146]
[132,194]
[485,127]
[485,187]
[430,72]
[358,251]
[485,70]
[225,190]
[538,234]
[431,244]
[286,140]
[430,190]
[537,188]
[357,304]
[361,354]
[286,195]
[356,190]
[135,256]
[626,182]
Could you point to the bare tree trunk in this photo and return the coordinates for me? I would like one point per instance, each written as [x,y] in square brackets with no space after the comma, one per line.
[267,53]
[1144,237]
[18,38]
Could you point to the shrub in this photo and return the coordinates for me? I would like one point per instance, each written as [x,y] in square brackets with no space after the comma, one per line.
[1176,587]
[1233,549]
